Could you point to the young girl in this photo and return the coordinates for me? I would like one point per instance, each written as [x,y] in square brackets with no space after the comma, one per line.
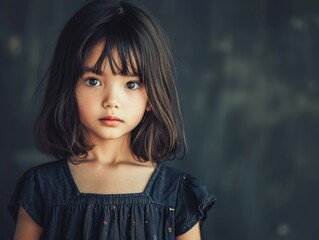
[111,117]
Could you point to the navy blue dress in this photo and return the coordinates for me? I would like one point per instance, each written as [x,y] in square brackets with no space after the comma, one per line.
[172,203]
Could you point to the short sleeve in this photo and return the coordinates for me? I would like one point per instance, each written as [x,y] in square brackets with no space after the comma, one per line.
[28,195]
[193,203]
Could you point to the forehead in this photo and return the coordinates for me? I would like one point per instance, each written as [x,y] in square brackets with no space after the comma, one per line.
[94,54]
[120,61]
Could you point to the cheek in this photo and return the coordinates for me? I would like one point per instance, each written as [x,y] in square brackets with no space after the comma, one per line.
[85,106]
[137,104]
[81,103]
[86,98]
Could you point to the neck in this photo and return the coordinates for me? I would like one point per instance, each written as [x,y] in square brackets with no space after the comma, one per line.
[109,152]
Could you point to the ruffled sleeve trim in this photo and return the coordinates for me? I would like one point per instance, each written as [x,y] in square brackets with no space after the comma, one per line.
[27,195]
[193,203]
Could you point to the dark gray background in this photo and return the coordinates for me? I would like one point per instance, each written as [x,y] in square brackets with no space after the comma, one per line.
[248,83]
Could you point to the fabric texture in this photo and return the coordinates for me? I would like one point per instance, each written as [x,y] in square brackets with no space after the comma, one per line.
[171,204]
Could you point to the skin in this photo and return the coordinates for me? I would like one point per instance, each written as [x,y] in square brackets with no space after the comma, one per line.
[113,95]
[110,167]
[26,228]
[192,234]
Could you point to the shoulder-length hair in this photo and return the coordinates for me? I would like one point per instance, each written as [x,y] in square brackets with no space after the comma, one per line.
[140,44]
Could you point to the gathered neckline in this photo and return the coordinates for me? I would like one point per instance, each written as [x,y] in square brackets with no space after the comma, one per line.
[76,190]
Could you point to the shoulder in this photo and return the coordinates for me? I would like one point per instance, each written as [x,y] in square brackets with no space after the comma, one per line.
[36,173]
[49,170]
[47,167]
[192,198]
[171,184]
[30,189]
[42,180]
[167,173]
[181,180]
[163,185]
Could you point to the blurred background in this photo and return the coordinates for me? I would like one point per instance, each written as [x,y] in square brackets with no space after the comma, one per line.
[249,88]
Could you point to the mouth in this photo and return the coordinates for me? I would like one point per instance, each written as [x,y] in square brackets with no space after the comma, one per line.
[111,118]
[111,121]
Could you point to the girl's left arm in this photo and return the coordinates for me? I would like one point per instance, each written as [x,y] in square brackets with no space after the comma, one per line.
[192,234]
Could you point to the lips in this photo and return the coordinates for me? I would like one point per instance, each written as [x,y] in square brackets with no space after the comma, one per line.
[111,118]
[111,121]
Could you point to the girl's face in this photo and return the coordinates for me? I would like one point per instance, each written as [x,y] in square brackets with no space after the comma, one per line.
[110,105]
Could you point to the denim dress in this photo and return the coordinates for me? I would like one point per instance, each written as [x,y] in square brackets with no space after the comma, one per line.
[171,204]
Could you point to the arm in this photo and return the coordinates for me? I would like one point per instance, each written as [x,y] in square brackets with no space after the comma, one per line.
[192,234]
[26,228]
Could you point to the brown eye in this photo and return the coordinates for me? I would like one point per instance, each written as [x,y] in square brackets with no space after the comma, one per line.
[92,82]
[132,85]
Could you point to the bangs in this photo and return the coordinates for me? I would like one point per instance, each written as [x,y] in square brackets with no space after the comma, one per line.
[120,49]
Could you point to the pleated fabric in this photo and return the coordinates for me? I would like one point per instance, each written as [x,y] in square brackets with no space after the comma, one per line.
[171,204]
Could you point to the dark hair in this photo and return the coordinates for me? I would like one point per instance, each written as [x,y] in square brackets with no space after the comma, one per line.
[133,33]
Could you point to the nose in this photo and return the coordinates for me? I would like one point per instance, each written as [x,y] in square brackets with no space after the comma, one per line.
[111,98]
[110,105]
